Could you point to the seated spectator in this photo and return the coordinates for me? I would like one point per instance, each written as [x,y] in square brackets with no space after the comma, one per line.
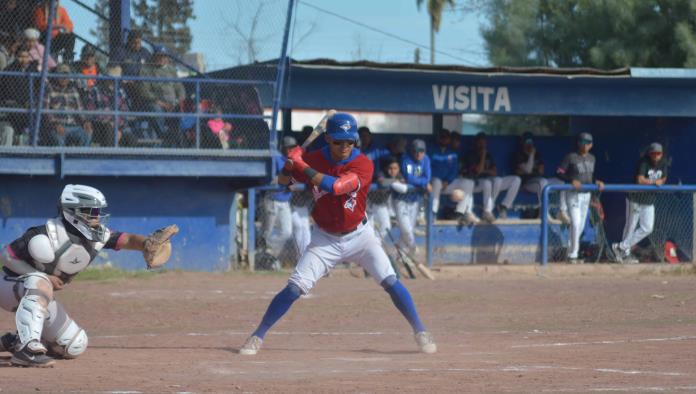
[530,167]
[62,36]
[133,55]
[444,163]
[101,98]
[87,66]
[15,16]
[162,96]
[31,38]
[7,49]
[64,129]
[480,166]
[222,129]
[15,90]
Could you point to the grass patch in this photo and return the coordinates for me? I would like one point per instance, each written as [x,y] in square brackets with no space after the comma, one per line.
[111,273]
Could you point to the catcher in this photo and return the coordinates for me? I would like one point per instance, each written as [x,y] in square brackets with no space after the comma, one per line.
[46,258]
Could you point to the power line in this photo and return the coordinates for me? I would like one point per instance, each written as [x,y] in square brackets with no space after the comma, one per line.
[391,35]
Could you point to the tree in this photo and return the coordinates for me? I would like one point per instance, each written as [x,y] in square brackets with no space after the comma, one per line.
[435,8]
[101,32]
[604,34]
[165,22]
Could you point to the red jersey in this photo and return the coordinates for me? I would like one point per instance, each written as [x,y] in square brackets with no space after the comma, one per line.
[338,214]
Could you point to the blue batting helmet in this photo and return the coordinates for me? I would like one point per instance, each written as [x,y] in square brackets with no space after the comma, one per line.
[342,126]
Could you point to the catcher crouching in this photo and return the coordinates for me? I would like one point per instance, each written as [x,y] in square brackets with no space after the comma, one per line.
[46,258]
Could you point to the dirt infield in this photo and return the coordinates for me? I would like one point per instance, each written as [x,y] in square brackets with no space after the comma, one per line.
[179,332]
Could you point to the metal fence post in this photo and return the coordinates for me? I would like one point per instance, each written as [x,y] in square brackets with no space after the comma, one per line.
[545,225]
[251,219]
[429,231]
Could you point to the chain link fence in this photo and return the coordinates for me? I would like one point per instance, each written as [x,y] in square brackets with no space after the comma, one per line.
[214,99]
[655,226]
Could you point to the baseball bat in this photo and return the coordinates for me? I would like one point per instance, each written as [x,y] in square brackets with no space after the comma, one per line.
[318,129]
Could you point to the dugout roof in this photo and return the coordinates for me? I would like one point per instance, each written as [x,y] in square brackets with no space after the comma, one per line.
[417,88]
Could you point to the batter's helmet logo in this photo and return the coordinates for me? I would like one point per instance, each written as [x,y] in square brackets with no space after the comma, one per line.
[346,127]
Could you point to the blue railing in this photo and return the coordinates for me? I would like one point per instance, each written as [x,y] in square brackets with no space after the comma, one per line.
[544,212]
[38,110]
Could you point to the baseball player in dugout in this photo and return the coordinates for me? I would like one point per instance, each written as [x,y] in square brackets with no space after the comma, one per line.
[45,259]
[340,177]
[578,168]
[640,207]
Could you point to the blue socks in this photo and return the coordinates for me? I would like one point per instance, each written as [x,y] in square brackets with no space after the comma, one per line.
[403,301]
[278,307]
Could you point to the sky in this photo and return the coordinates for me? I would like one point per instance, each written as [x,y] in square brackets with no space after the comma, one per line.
[377,30]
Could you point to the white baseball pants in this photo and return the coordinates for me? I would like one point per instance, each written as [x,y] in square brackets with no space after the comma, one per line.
[640,219]
[466,185]
[379,219]
[277,215]
[491,188]
[536,185]
[325,250]
[301,228]
[578,205]
[406,215]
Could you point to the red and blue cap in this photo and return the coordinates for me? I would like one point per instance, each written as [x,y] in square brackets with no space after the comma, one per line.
[342,127]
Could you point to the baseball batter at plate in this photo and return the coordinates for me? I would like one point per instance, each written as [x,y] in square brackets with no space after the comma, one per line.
[46,258]
[340,178]
[640,207]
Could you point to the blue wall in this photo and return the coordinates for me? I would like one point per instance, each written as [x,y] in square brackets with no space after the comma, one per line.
[200,207]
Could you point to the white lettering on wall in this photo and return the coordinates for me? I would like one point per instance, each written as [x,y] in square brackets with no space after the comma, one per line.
[467,98]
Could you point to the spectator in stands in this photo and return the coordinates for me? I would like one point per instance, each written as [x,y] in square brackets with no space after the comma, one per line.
[578,168]
[481,166]
[15,89]
[7,50]
[31,38]
[529,165]
[640,207]
[65,129]
[87,66]
[133,55]
[101,98]
[277,206]
[162,96]
[62,36]
[445,166]
[415,167]
[15,16]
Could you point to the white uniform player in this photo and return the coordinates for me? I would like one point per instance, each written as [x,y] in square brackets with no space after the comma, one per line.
[277,224]
[578,168]
[340,177]
[301,202]
[640,207]
[41,262]
[415,168]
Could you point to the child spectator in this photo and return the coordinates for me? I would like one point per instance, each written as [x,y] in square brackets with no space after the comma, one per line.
[36,49]
[87,66]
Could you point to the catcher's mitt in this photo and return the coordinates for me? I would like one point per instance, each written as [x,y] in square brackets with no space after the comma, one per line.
[157,248]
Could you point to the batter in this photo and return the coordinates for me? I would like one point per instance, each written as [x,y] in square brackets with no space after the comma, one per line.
[340,178]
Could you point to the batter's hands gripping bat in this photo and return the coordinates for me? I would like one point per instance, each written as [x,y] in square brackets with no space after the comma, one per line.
[318,129]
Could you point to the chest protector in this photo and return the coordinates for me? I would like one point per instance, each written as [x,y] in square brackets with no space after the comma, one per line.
[72,253]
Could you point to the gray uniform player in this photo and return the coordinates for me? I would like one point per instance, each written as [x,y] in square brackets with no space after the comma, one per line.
[41,262]
[640,207]
[578,168]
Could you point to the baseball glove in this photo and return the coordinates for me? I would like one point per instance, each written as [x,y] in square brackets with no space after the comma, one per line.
[157,247]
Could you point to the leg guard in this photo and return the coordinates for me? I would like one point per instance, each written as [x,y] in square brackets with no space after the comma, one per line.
[62,335]
[32,310]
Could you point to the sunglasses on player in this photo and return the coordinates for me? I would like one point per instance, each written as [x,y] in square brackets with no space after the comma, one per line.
[341,142]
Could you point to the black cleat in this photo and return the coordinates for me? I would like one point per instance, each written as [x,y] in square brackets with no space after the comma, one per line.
[24,358]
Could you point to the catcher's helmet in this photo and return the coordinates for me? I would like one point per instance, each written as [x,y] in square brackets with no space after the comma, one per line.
[83,207]
[342,126]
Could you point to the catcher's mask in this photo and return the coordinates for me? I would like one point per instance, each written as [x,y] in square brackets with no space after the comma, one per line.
[84,208]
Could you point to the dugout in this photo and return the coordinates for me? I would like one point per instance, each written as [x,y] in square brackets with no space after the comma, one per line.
[625,109]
